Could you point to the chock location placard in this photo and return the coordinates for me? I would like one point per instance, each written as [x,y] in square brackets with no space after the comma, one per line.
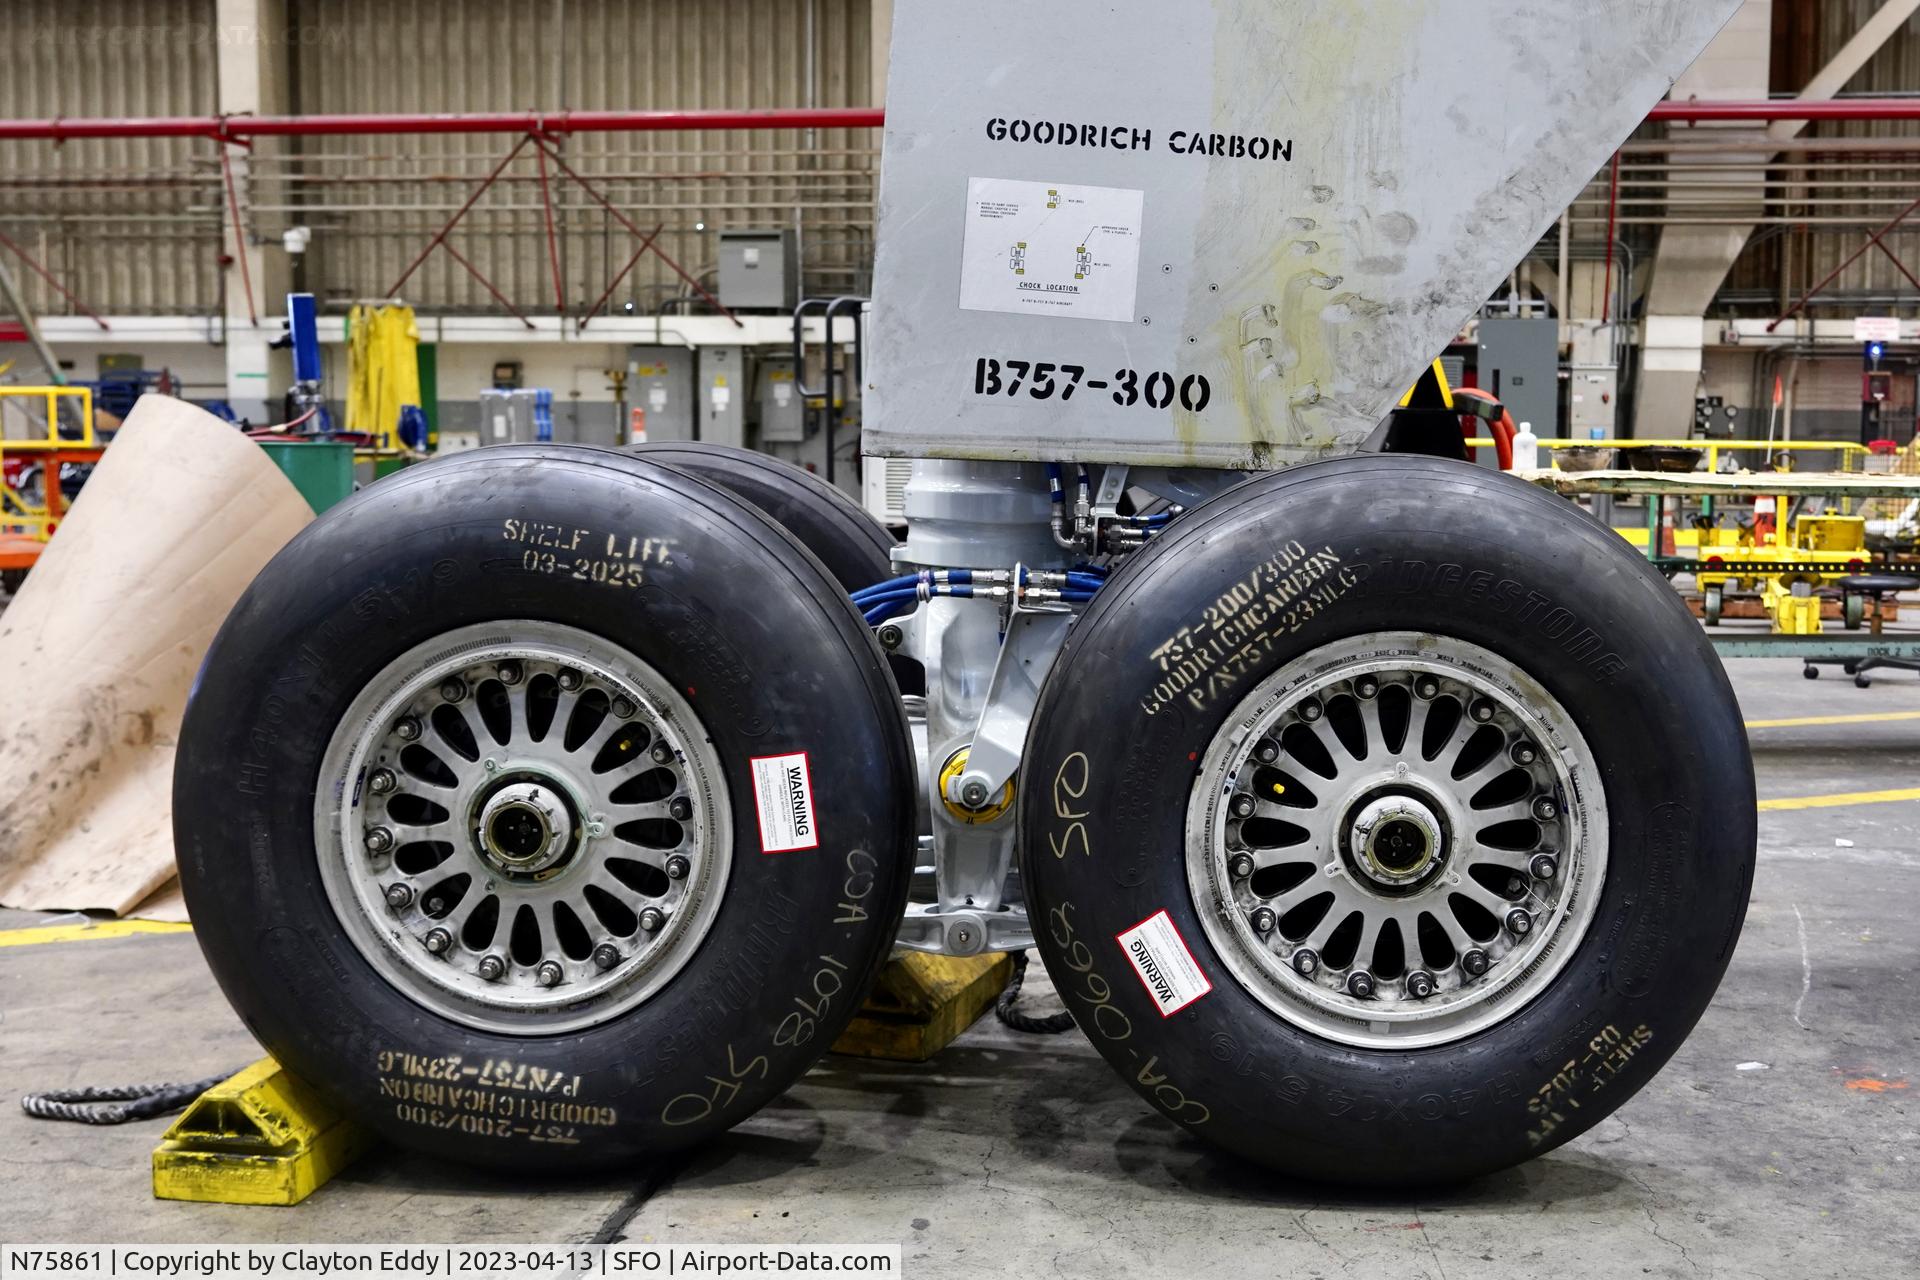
[1050,249]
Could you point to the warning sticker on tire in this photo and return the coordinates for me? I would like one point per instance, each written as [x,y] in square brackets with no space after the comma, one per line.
[1167,969]
[783,795]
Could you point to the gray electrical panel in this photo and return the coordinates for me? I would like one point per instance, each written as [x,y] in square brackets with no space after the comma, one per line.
[660,393]
[723,396]
[1520,364]
[758,270]
[509,416]
[782,412]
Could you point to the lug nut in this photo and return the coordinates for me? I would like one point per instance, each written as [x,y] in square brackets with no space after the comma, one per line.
[1545,809]
[1475,962]
[623,708]
[399,895]
[1420,984]
[509,672]
[1543,867]
[453,689]
[1481,710]
[1310,710]
[1244,805]
[662,753]
[379,840]
[1519,923]
[891,637]
[382,781]
[606,955]
[492,968]
[1367,687]
[1263,920]
[1360,984]
[1267,751]
[652,919]
[973,795]
[1426,687]
[1240,866]
[438,940]
[1524,753]
[407,729]
[1305,961]
[680,808]
[677,867]
[549,973]
[570,679]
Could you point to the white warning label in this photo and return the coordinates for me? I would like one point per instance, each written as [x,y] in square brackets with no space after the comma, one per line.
[1035,248]
[1159,955]
[783,795]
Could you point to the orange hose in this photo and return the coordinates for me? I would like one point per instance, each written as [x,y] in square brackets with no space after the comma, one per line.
[1502,428]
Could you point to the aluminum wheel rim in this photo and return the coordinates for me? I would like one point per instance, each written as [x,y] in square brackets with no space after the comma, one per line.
[1362,785]
[547,771]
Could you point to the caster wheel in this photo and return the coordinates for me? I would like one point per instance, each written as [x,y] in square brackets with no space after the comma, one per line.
[1861,682]
[1853,610]
[1392,674]
[1712,601]
[1810,671]
[1851,666]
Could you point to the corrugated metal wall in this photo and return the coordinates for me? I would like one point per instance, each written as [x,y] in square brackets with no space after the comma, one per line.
[374,202]
[129,225]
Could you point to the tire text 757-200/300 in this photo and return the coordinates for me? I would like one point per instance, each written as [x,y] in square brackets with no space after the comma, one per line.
[1156,389]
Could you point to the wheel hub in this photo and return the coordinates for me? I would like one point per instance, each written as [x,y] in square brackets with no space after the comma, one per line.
[1396,840]
[525,828]
[1396,843]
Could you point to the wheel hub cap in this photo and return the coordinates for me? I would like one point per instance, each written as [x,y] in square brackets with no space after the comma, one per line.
[524,828]
[1396,842]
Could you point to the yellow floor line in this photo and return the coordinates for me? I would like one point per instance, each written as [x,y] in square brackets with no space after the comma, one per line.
[87,932]
[1873,717]
[1839,801]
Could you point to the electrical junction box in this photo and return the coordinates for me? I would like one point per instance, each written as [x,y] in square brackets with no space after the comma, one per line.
[1593,402]
[1222,232]
[512,416]
[782,413]
[723,396]
[758,270]
[660,393]
[1520,366]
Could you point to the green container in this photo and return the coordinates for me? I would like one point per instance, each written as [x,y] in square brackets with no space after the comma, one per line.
[322,470]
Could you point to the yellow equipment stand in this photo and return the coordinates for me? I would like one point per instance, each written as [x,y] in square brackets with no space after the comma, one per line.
[260,1137]
[921,1002]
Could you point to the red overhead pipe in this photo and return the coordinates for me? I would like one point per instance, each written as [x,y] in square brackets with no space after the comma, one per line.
[240,128]
[544,124]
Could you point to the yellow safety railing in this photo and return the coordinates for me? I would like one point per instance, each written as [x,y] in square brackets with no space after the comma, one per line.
[1851,455]
[19,514]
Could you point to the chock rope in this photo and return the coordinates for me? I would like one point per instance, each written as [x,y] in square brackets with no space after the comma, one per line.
[1050,1025]
[115,1104]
